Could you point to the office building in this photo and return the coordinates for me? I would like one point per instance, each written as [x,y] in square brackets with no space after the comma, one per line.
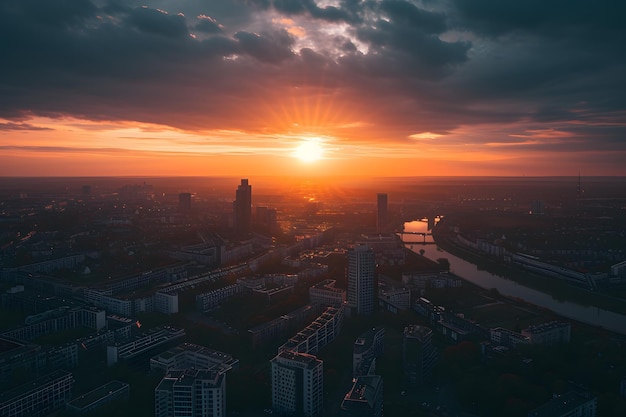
[317,334]
[361,282]
[297,384]
[366,349]
[242,208]
[551,333]
[382,221]
[191,393]
[39,397]
[418,354]
[325,293]
[365,398]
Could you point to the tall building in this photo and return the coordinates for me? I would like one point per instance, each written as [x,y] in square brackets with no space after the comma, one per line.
[297,384]
[184,201]
[418,354]
[242,207]
[191,393]
[381,213]
[361,283]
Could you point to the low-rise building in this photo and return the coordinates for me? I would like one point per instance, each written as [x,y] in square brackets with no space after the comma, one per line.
[104,394]
[318,334]
[325,293]
[39,397]
[143,344]
[551,333]
[189,355]
[365,398]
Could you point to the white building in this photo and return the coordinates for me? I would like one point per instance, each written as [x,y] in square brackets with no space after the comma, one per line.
[325,293]
[191,393]
[297,384]
[361,273]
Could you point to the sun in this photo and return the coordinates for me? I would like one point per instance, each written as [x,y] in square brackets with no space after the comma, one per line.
[310,150]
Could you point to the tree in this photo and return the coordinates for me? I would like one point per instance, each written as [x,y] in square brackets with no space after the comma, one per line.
[444,263]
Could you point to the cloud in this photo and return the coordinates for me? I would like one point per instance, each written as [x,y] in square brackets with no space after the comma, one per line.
[271,47]
[382,69]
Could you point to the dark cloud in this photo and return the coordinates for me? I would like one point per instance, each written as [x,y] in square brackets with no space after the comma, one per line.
[271,47]
[329,13]
[403,66]
[207,25]
[158,22]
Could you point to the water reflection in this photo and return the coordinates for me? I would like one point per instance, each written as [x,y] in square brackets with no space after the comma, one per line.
[467,270]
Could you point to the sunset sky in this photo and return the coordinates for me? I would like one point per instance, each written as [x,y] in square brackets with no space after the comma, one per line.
[312,87]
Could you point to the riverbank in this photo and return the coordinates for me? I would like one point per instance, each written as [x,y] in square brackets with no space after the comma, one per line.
[557,289]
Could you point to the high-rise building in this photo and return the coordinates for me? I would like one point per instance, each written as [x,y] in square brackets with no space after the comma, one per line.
[382,221]
[418,354]
[297,384]
[242,207]
[184,201]
[361,282]
[191,393]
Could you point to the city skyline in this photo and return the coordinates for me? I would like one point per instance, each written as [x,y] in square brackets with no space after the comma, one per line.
[311,88]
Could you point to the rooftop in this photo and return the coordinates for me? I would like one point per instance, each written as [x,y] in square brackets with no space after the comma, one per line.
[97,394]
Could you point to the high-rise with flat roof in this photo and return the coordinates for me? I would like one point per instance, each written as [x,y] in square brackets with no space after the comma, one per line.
[381,213]
[242,207]
[418,354]
[297,384]
[361,282]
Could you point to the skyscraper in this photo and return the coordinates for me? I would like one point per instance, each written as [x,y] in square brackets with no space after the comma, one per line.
[242,207]
[361,272]
[381,213]
[418,354]
[297,384]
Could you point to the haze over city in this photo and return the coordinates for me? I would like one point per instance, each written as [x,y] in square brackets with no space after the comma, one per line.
[312,208]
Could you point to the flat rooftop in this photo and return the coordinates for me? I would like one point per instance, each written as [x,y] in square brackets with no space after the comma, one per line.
[97,394]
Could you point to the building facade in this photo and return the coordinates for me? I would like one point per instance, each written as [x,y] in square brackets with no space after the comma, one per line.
[297,384]
[418,354]
[361,280]
[39,397]
[191,393]
[242,208]
[382,220]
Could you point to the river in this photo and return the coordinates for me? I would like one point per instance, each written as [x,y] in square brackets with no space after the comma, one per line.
[586,314]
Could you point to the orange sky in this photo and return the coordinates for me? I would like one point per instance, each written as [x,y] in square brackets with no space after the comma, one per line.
[315,88]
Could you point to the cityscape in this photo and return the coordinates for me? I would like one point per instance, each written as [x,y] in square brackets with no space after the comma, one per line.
[312,208]
[242,297]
